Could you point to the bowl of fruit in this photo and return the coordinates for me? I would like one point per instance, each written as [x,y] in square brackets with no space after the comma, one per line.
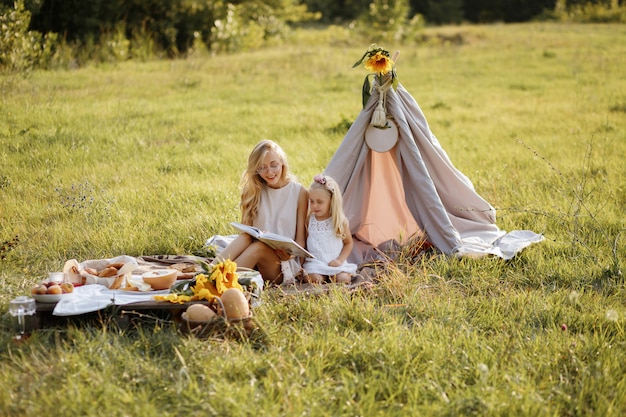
[51,291]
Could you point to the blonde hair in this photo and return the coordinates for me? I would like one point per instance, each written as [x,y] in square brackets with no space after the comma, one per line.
[339,219]
[252,183]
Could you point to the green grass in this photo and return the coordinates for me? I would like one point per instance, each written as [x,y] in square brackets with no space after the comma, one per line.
[145,158]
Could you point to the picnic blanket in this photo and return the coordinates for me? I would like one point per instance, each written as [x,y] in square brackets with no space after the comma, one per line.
[95,297]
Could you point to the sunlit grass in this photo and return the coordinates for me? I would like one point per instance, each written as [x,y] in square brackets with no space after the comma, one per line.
[145,158]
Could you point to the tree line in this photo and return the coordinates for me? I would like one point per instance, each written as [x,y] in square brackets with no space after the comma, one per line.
[38,32]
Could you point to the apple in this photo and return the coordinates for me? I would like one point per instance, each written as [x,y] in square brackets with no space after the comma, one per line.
[55,289]
[39,289]
[67,287]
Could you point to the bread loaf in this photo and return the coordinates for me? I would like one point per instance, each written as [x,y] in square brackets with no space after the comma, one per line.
[108,272]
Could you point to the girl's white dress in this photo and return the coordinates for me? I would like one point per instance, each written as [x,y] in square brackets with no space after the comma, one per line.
[325,245]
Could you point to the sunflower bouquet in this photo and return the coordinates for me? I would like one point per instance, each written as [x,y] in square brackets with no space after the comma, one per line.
[377,60]
[207,285]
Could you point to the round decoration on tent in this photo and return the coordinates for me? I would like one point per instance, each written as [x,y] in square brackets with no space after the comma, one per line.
[382,139]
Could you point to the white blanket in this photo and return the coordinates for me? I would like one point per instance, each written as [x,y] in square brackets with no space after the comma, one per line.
[94,297]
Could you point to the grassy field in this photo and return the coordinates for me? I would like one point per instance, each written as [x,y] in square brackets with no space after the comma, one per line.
[145,159]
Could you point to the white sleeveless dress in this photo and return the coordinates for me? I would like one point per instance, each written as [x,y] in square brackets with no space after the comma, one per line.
[324,244]
[278,213]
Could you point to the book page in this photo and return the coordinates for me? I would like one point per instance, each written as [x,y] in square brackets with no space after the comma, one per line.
[276,237]
[274,240]
[251,230]
[290,247]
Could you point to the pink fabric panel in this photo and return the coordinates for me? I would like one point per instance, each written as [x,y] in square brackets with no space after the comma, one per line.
[387,216]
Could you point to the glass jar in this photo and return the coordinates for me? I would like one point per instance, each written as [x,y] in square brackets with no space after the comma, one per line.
[20,307]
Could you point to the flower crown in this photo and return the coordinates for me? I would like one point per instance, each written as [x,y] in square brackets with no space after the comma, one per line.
[321,179]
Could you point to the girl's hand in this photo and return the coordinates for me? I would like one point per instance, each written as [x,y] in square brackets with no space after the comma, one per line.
[283,255]
[335,262]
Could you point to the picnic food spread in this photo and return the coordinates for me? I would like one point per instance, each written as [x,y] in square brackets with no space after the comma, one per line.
[125,280]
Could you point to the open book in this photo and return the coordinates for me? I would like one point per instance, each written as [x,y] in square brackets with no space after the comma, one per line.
[274,240]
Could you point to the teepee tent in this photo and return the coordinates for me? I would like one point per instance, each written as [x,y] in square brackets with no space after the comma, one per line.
[413,188]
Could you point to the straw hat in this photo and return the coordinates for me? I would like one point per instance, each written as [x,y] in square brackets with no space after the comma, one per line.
[382,139]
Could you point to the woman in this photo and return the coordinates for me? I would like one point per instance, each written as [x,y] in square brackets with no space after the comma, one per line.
[271,200]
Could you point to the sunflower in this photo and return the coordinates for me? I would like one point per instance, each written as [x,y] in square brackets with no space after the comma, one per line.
[206,285]
[224,276]
[379,63]
[377,60]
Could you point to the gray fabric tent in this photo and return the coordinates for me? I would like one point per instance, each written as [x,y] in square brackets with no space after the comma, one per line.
[413,189]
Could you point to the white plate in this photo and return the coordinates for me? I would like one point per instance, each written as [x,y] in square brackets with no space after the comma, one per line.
[49,298]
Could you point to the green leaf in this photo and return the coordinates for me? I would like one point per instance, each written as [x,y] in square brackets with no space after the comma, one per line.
[183,287]
[394,79]
[207,268]
[367,87]
[360,61]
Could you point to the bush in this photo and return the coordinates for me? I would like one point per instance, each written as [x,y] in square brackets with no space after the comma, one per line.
[587,12]
[597,13]
[21,49]
[172,26]
[116,30]
[385,21]
[337,11]
[113,45]
[143,45]
[232,34]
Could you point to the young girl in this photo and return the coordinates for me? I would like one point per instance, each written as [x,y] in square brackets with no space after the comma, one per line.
[271,200]
[329,238]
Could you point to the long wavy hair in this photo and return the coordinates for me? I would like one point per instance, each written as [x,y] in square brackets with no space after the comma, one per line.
[339,219]
[252,183]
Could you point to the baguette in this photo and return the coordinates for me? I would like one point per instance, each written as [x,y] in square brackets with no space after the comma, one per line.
[108,272]
[117,283]
[90,271]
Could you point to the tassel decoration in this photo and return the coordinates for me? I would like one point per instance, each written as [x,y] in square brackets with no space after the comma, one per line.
[379,118]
